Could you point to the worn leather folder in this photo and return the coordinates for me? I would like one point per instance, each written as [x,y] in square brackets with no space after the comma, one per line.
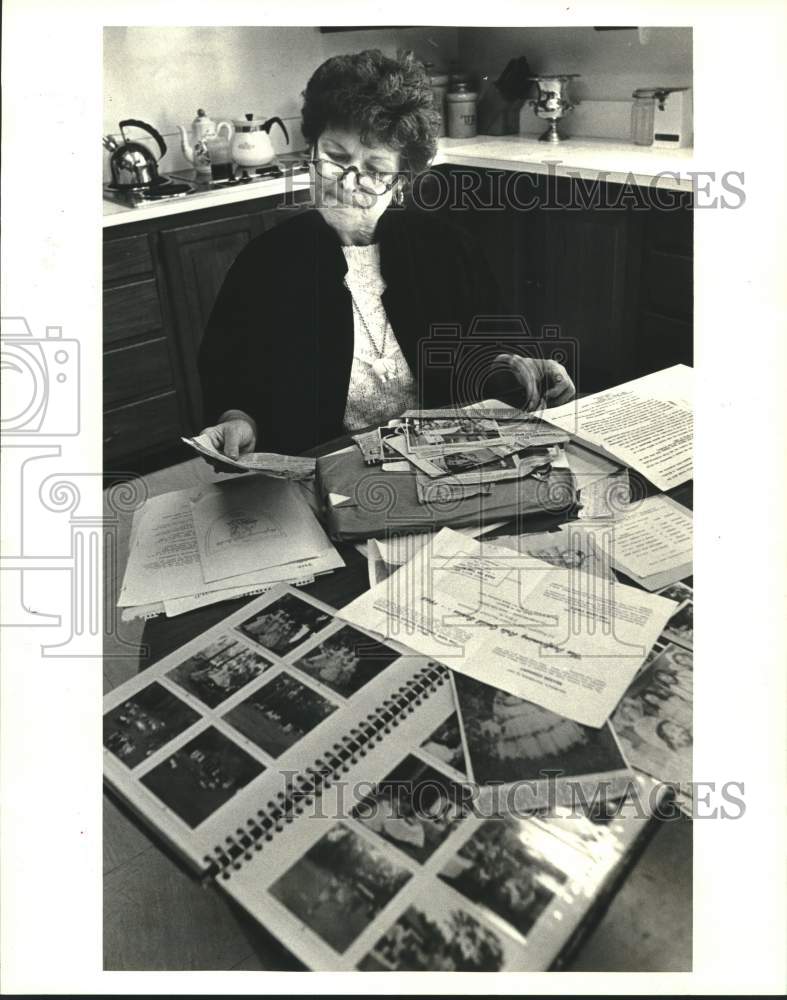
[361,501]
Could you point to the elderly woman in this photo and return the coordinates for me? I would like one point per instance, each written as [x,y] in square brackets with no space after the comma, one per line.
[321,324]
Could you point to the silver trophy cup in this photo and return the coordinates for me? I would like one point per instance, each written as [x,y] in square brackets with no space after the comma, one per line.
[553,101]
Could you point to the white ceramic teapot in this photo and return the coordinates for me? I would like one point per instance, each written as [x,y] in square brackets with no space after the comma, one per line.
[196,149]
[251,141]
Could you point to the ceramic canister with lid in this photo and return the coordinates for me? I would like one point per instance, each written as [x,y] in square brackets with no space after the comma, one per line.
[439,84]
[461,112]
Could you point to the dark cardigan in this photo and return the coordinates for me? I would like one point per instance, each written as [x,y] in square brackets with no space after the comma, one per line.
[279,342]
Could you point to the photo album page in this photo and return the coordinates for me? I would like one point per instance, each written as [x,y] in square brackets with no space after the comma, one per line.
[202,741]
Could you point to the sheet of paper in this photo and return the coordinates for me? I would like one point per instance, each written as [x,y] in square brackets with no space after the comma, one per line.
[399,549]
[143,611]
[564,547]
[539,632]
[654,540]
[245,525]
[180,605]
[307,489]
[588,466]
[266,463]
[164,561]
[605,498]
[377,567]
[646,424]
[163,558]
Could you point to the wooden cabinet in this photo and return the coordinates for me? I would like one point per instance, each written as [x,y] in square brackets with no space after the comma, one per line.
[161,279]
[601,274]
[197,257]
[587,292]
[142,408]
[666,300]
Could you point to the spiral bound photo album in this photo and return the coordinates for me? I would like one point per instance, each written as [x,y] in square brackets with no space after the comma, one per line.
[320,778]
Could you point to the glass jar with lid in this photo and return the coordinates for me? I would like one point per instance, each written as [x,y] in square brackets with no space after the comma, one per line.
[642,110]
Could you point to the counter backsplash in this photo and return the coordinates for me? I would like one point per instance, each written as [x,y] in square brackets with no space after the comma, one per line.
[587,120]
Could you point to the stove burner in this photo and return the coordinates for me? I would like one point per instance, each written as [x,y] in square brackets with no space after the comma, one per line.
[165,188]
[169,190]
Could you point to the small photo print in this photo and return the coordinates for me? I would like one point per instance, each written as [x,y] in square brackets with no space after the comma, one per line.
[285,624]
[657,650]
[428,939]
[145,722]
[457,462]
[394,429]
[679,592]
[680,628]
[510,739]
[445,744]
[339,886]
[346,661]
[279,714]
[654,719]
[219,670]
[201,776]
[435,432]
[498,872]
[415,808]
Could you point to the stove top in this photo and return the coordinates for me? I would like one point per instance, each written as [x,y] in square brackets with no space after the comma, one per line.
[181,184]
[167,188]
[287,165]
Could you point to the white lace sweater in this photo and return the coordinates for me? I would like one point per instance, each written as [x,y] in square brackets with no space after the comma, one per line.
[381,383]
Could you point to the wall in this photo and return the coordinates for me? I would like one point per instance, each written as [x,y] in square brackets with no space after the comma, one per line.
[162,75]
[612,65]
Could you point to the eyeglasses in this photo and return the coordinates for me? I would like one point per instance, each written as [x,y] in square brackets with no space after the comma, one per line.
[371,181]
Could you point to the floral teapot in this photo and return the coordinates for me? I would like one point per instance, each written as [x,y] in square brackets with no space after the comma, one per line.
[251,141]
[196,149]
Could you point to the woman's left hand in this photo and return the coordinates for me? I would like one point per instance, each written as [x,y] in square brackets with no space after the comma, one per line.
[545,382]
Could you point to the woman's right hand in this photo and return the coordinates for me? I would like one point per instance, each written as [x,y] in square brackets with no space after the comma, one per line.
[234,435]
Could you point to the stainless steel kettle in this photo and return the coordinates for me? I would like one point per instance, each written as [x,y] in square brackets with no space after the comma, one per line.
[132,164]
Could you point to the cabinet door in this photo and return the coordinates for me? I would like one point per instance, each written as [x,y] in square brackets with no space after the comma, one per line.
[197,258]
[474,199]
[589,291]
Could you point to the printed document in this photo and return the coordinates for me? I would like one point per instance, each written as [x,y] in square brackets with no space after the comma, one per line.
[564,639]
[646,424]
[249,524]
[651,542]
[164,560]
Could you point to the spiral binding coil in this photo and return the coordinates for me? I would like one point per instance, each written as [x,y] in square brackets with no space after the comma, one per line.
[310,783]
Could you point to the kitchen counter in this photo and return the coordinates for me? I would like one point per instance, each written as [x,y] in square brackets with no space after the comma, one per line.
[588,159]
[116,214]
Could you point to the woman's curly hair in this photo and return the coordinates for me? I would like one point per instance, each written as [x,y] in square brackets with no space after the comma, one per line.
[388,101]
